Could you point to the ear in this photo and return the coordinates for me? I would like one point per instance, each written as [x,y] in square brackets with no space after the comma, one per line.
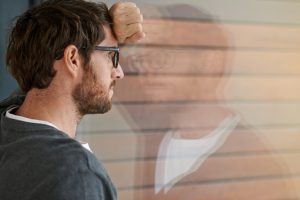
[72,60]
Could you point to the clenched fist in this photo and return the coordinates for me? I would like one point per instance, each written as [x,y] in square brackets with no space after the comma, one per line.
[127,22]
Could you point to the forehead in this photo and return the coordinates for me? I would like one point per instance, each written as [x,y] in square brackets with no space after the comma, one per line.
[110,39]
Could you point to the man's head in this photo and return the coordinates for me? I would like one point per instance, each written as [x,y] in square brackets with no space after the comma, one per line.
[45,34]
[93,94]
[42,33]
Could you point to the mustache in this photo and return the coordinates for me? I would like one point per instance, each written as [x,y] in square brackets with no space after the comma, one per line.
[113,83]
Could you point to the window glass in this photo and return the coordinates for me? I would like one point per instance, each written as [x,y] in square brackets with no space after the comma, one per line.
[209,107]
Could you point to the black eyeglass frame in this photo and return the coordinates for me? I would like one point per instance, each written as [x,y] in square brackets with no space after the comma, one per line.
[115,58]
[116,50]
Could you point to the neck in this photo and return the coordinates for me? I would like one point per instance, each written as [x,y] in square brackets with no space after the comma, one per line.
[207,119]
[54,107]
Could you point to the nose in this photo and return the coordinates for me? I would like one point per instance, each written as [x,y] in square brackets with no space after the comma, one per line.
[118,72]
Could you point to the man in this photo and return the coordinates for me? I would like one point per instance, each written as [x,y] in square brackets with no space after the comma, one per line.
[64,55]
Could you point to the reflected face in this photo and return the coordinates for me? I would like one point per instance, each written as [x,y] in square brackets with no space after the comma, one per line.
[153,68]
[94,93]
[174,72]
[162,74]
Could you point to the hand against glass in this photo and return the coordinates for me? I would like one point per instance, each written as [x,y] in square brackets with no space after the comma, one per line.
[127,22]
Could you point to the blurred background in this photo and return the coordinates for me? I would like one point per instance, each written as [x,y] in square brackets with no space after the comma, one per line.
[209,107]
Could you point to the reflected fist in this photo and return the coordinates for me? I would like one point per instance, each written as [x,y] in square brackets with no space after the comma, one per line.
[127,22]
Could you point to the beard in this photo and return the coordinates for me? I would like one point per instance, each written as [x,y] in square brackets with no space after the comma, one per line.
[90,96]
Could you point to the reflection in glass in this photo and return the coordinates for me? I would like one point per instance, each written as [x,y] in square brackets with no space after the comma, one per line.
[177,78]
[208,109]
[178,157]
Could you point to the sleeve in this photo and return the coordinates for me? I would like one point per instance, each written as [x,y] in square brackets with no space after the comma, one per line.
[81,186]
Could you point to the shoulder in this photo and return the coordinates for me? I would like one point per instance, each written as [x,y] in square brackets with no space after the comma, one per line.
[63,168]
[57,148]
[50,149]
[77,170]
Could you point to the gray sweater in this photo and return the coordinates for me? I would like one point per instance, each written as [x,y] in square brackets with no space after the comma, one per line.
[39,162]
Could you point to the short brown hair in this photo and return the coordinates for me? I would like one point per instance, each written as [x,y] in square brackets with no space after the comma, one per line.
[42,33]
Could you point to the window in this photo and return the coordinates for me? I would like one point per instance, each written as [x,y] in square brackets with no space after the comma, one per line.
[209,108]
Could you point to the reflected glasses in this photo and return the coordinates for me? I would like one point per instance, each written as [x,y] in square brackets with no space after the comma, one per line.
[116,50]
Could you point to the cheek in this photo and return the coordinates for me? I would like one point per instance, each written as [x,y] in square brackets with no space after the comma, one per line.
[102,72]
[104,78]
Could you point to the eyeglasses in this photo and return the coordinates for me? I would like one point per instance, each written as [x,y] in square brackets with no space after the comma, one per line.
[116,50]
[115,58]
